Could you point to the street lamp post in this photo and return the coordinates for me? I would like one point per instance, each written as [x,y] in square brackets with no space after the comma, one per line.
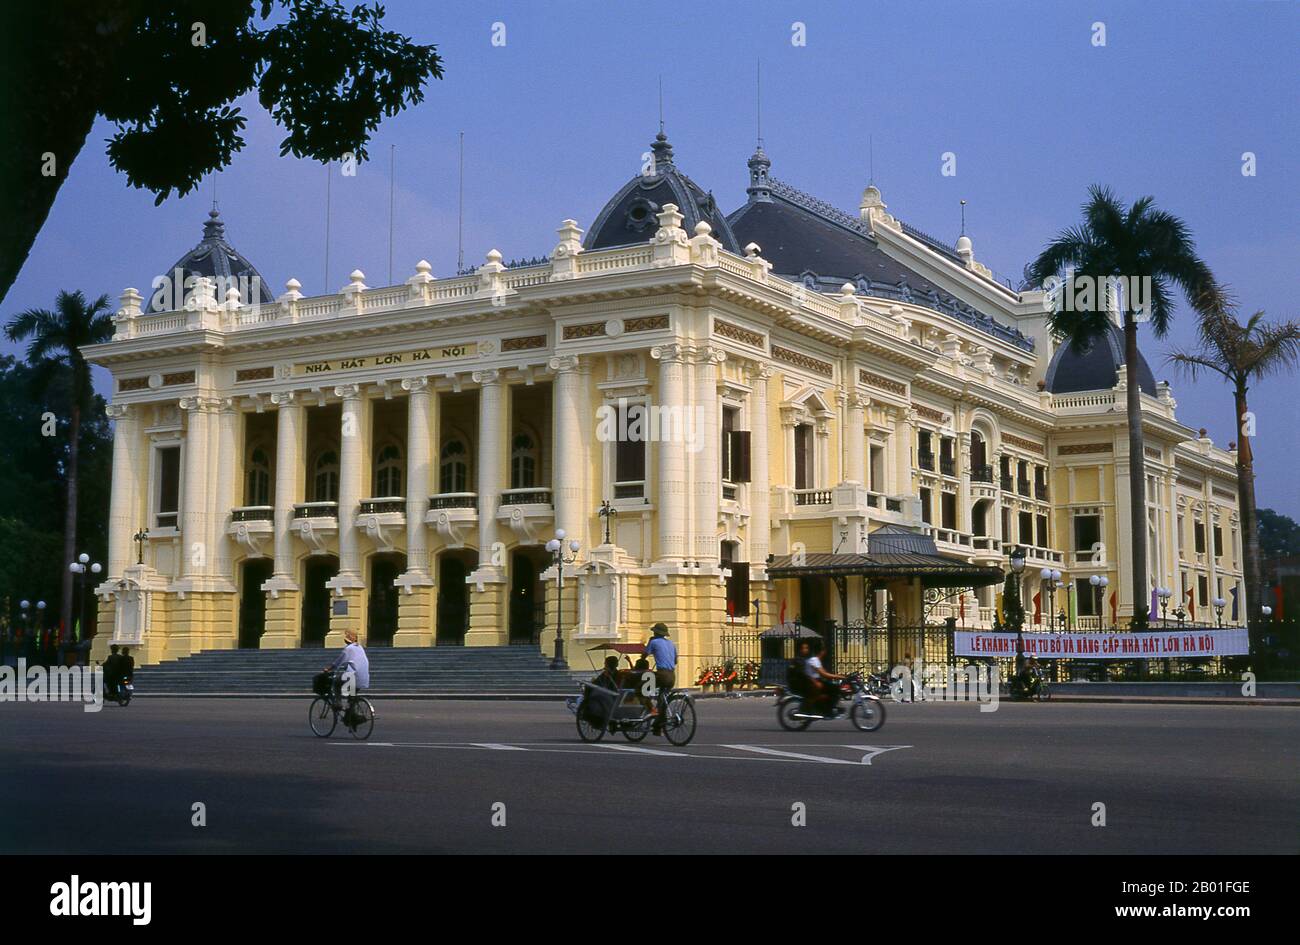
[1180,615]
[81,568]
[1052,578]
[1099,582]
[1219,603]
[1017,559]
[556,547]
[608,513]
[1164,593]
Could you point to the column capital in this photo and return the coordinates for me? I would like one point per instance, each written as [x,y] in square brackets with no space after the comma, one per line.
[758,371]
[415,385]
[348,391]
[673,352]
[199,404]
[709,354]
[487,377]
[565,363]
[117,411]
[285,398]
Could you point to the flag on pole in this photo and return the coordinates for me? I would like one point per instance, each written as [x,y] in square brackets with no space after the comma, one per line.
[998,605]
[1038,609]
[1071,604]
[1191,603]
[1233,592]
[1114,606]
[782,620]
[1155,605]
[1277,602]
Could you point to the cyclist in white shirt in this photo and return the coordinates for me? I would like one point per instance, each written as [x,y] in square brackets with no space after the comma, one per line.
[352,664]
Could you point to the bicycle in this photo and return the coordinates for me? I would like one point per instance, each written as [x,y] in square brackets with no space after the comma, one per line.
[600,710]
[357,713]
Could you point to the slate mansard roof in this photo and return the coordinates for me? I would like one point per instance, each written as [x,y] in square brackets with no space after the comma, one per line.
[1096,367]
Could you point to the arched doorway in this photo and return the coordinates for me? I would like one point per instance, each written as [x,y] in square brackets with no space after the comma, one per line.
[316,570]
[253,573]
[453,596]
[381,608]
[527,596]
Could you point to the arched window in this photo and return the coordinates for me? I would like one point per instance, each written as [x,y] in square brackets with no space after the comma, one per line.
[257,480]
[523,462]
[454,468]
[388,471]
[325,477]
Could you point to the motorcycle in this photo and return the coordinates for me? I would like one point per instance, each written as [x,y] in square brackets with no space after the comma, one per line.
[123,692]
[1037,690]
[866,711]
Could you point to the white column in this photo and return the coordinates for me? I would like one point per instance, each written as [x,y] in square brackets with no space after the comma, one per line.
[707,443]
[671,455]
[569,458]
[856,439]
[419,451]
[289,432]
[228,445]
[123,506]
[760,486]
[491,421]
[195,534]
[352,441]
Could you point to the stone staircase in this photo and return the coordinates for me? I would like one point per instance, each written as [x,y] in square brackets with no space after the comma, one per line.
[436,672]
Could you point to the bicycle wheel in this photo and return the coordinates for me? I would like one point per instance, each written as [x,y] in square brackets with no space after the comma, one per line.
[1044,692]
[637,731]
[588,731]
[363,719]
[322,717]
[679,727]
[868,715]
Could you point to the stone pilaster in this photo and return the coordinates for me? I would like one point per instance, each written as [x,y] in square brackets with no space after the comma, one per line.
[283,604]
[671,464]
[492,420]
[760,485]
[856,440]
[569,476]
[348,585]
[124,504]
[416,597]
[707,445]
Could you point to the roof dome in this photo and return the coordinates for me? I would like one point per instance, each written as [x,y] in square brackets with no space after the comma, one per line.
[1095,368]
[630,216]
[216,259]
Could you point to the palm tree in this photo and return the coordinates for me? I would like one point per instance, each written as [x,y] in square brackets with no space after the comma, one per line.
[1241,354]
[55,352]
[1140,247]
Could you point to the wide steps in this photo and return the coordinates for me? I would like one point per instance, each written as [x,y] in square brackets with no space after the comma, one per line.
[503,670]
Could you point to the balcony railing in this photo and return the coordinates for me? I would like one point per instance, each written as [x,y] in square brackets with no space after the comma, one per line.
[316,510]
[812,497]
[629,490]
[1006,483]
[253,513]
[981,474]
[532,496]
[947,466]
[387,504]
[925,460]
[454,500]
[1040,491]
[1022,486]
[729,492]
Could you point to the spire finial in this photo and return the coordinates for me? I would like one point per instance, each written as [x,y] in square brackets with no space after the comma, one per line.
[758,96]
[963,218]
[661,106]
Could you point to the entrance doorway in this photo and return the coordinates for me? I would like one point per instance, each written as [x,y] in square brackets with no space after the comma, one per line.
[316,570]
[527,596]
[254,572]
[381,607]
[453,596]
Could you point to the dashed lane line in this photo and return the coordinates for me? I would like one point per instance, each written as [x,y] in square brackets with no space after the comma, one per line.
[750,752]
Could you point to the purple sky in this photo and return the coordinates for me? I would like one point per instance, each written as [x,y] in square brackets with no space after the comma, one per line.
[556,120]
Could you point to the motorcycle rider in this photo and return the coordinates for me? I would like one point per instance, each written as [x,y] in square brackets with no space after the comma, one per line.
[825,688]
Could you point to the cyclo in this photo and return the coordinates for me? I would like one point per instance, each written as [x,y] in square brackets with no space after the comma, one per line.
[599,710]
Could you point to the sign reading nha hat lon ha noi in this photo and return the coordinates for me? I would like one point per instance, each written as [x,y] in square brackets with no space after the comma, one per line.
[390,359]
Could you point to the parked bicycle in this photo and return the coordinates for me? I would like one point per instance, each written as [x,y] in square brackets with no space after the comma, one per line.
[330,707]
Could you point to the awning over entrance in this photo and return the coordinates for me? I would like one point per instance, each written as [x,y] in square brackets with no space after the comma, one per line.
[893,554]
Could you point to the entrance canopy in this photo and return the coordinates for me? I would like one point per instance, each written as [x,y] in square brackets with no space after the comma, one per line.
[894,554]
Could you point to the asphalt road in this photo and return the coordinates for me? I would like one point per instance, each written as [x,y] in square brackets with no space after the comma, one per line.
[1023,779]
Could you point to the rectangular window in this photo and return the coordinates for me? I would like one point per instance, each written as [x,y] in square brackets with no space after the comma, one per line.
[169,487]
[876,469]
[1026,528]
[1085,596]
[925,506]
[803,461]
[1087,532]
[1203,591]
[925,450]
[948,507]
[728,425]
[629,456]
[737,581]
[1042,532]
[1199,530]
[1218,542]
[1006,525]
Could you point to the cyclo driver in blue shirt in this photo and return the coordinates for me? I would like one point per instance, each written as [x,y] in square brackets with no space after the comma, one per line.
[664,652]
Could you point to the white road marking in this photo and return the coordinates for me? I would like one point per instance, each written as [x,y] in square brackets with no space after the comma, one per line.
[644,751]
[873,750]
[790,754]
[497,746]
